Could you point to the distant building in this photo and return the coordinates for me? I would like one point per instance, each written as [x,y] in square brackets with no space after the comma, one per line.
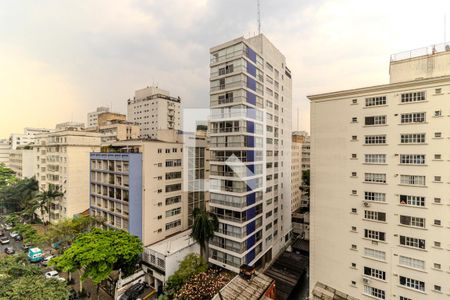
[163,258]
[92,117]
[153,109]
[26,138]
[23,162]
[71,126]
[114,127]
[62,161]
[5,148]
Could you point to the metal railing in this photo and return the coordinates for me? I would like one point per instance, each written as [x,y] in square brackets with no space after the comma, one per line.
[430,50]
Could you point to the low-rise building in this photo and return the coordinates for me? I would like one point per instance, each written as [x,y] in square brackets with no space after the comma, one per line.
[259,287]
[18,140]
[92,117]
[162,259]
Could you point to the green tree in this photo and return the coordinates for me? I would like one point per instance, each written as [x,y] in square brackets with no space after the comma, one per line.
[21,280]
[191,265]
[19,197]
[45,197]
[29,234]
[203,229]
[7,176]
[98,252]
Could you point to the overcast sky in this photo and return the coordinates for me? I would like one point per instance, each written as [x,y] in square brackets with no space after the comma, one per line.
[61,59]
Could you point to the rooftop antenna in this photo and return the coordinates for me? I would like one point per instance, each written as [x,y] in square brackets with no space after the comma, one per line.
[259,16]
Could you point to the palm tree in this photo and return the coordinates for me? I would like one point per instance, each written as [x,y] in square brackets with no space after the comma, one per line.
[45,197]
[203,229]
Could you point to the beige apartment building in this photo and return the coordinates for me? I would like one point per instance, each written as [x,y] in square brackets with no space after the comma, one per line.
[115,127]
[380,204]
[23,162]
[62,160]
[139,186]
[154,109]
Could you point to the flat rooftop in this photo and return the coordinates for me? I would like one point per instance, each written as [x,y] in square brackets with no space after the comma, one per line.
[173,244]
[239,288]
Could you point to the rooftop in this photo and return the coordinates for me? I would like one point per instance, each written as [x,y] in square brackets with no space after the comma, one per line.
[173,244]
[429,50]
[239,288]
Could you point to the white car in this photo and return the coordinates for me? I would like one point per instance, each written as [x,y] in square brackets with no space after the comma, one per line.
[8,227]
[4,241]
[53,274]
[13,234]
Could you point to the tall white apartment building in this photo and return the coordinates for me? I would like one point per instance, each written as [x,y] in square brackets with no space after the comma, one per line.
[23,162]
[5,148]
[380,194]
[250,143]
[26,138]
[62,160]
[92,117]
[153,109]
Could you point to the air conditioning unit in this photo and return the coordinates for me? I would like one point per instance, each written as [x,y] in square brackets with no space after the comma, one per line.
[366,281]
[366,204]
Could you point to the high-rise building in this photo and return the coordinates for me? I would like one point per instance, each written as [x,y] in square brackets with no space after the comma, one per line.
[380,193]
[140,185]
[298,165]
[23,162]
[250,143]
[153,109]
[92,117]
[5,148]
[62,161]
[115,127]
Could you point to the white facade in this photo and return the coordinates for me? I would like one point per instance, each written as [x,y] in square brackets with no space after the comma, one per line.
[162,259]
[5,148]
[92,117]
[23,162]
[380,201]
[153,109]
[250,96]
[62,160]
[26,138]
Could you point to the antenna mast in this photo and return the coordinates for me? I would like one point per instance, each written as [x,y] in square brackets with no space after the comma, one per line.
[259,15]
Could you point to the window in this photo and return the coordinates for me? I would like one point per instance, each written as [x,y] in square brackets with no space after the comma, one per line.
[411,262]
[173,212]
[354,120]
[376,101]
[412,200]
[375,177]
[437,178]
[354,174]
[438,134]
[437,288]
[438,91]
[437,200]
[173,200]
[375,273]
[412,118]
[375,120]
[354,155]
[412,242]
[437,266]
[412,180]
[373,196]
[354,137]
[437,156]
[374,235]
[173,162]
[354,210]
[412,97]
[412,221]
[375,158]
[354,247]
[438,113]
[173,187]
[173,224]
[374,215]
[404,298]
[437,244]
[412,283]
[412,138]
[412,159]
[374,292]
[173,175]
[375,139]
[437,222]
[377,254]
[354,101]
[354,192]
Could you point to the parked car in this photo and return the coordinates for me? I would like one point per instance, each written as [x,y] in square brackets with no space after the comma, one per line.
[10,250]
[18,238]
[2,233]
[53,274]
[13,234]
[47,259]
[8,226]
[133,292]
[4,240]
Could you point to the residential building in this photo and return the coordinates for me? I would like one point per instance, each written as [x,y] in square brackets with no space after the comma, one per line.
[71,125]
[26,138]
[250,144]
[92,117]
[5,148]
[23,162]
[62,161]
[154,109]
[296,171]
[162,259]
[259,286]
[379,173]
[114,127]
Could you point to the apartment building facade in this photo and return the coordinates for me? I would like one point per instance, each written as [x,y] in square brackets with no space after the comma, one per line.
[18,140]
[5,148]
[250,143]
[380,185]
[22,162]
[62,161]
[141,186]
[154,109]
[92,117]
[114,127]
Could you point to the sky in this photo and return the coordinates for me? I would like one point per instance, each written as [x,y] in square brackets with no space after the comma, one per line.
[60,59]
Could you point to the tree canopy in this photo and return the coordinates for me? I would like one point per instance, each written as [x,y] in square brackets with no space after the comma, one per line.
[203,228]
[98,252]
[7,176]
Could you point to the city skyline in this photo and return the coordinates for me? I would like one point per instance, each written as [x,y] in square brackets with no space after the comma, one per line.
[62,65]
